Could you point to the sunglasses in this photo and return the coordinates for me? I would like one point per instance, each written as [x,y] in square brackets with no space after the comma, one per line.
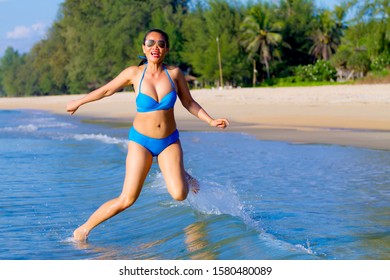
[160,43]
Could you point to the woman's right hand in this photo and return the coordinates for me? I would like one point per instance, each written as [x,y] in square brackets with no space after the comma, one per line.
[220,123]
[72,107]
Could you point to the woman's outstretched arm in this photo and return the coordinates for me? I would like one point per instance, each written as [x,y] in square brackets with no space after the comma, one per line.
[192,106]
[122,80]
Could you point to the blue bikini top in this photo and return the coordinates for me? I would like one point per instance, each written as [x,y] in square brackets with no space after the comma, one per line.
[145,103]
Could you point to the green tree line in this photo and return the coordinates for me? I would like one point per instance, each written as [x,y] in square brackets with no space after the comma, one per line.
[259,42]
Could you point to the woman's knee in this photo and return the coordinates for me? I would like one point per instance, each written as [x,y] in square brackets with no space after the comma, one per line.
[125,202]
[180,193]
[180,196]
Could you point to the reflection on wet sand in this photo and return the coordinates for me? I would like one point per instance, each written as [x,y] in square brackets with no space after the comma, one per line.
[114,253]
[197,243]
[195,240]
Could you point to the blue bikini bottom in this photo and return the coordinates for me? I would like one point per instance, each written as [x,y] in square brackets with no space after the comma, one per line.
[154,145]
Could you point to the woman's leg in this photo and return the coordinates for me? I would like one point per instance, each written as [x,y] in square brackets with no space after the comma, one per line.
[138,163]
[176,178]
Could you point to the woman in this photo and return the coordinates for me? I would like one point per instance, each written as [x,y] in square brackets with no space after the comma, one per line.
[154,132]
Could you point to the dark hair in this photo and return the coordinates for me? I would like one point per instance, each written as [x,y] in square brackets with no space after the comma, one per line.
[166,38]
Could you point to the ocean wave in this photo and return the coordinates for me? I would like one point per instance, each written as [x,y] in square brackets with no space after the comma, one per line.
[20,128]
[97,137]
[54,125]
[32,127]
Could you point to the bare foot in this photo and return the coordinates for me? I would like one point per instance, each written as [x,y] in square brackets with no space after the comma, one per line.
[80,234]
[192,183]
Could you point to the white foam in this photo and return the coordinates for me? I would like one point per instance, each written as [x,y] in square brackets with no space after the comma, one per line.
[158,181]
[21,128]
[32,127]
[55,124]
[306,249]
[98,137]
[69,239]
[214,198]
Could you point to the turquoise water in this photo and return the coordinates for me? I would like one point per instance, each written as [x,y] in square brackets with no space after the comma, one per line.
[258,199]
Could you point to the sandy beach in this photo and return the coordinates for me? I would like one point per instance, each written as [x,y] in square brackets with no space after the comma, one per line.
[352,115]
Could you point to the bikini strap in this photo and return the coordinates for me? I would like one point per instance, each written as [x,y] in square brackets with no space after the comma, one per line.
[172,83]
[142,78]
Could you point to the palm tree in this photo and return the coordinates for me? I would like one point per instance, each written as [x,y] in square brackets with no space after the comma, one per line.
[260,36]
[327,36]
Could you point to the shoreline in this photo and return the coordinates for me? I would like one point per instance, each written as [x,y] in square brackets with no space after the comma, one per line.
[369,139]
[347,115]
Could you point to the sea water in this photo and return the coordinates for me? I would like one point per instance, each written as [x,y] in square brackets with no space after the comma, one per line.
[258,199]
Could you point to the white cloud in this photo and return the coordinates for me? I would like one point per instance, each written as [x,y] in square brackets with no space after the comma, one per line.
[20,32]
[38,27]
[24,32]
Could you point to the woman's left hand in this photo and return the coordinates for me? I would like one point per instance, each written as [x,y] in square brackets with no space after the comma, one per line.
[220,123]
[72,107]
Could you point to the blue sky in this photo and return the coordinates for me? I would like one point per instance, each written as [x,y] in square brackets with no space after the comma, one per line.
[25,22]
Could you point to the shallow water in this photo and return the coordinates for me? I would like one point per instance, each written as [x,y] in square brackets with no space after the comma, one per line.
[258,199]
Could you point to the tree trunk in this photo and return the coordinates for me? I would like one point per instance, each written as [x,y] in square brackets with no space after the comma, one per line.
[254,80]
[267,67]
